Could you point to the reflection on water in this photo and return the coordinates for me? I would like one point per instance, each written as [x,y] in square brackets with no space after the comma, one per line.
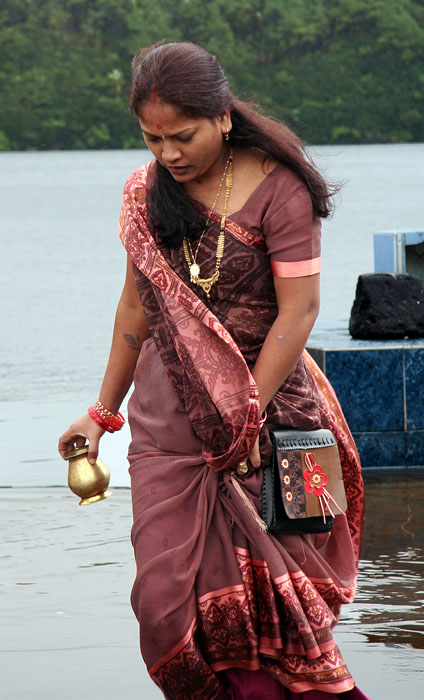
[389,605]
[67,574]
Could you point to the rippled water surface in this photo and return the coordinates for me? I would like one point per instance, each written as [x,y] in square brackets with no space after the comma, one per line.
[67,574]
[389,603]
[383,630]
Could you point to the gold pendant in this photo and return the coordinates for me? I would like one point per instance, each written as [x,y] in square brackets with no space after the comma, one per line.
[194,272]
[206,285]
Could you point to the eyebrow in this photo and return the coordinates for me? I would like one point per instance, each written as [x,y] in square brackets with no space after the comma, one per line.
[179,133]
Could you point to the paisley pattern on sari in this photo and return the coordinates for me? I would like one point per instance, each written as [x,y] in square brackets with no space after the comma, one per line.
[213,591]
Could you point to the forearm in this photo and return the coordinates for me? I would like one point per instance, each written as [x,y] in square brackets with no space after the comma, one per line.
[129,333]
[280,353]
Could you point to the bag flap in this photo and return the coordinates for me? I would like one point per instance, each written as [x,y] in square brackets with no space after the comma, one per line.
[301,439]
[311,479]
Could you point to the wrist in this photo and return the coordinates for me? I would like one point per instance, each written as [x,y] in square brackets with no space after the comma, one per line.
[104,418]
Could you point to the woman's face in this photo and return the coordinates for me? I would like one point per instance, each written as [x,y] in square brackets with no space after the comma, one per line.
[191,148]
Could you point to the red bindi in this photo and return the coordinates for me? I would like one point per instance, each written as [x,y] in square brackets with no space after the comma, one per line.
[158,126]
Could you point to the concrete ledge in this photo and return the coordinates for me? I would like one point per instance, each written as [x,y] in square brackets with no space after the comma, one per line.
[380,385]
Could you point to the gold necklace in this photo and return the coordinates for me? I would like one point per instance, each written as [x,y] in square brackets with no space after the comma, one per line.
[191,258]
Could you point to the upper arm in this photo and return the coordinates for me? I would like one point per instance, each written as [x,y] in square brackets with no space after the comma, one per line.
[129,294]
[298,296]
[130,311]
[129,306]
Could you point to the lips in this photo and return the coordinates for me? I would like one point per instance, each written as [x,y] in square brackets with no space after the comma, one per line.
[178,169]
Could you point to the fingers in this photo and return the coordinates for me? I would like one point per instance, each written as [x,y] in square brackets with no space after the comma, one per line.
[68,444]
[93,450]
[70,439]
[82,430]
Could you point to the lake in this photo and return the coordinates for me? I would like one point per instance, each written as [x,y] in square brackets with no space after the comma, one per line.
[62,271]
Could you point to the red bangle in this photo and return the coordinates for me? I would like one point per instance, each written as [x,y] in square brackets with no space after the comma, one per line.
[105,419]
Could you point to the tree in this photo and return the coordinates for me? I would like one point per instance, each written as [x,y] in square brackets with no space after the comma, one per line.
[337,70]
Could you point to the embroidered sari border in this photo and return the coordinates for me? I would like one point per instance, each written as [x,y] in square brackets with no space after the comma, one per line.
[220,592]
[251,665]
[175,650]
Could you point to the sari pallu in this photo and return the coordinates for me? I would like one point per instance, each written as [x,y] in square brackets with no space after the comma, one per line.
[214,591]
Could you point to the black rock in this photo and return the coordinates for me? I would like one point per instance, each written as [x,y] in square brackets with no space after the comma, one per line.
[387,306]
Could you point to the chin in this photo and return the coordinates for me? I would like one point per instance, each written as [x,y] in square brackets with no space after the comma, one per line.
[183,176]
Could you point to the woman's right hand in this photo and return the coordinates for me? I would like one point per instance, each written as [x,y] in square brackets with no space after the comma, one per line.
[78,433]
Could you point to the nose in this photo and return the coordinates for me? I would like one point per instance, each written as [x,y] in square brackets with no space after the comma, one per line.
[170,152]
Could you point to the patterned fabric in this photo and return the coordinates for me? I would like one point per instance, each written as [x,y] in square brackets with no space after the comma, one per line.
[213,591]
[280,213]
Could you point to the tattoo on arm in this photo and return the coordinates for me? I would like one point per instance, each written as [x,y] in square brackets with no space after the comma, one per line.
[133,343]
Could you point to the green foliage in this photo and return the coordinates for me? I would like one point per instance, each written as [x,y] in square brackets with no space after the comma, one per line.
[339,71]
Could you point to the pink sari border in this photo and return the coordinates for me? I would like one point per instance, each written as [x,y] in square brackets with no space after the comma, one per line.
[240,588]
[252,665]
[302,268]
[177,648]
[336,688]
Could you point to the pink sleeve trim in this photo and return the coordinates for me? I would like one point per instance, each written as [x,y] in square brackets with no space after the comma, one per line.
[302,268]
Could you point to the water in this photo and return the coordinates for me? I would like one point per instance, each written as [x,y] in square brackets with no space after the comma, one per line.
[62,271]
[63,266]
[67,574]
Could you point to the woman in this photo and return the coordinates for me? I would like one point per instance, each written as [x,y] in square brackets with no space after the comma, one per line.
[222,235]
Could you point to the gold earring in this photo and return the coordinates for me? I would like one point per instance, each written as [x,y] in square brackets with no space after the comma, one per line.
[227,136]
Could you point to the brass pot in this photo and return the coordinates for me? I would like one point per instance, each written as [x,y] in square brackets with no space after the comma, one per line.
[88,481]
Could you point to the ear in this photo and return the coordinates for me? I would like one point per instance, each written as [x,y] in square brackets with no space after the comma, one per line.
[225,122]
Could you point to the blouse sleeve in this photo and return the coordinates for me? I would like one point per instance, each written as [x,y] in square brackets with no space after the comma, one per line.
[292,231]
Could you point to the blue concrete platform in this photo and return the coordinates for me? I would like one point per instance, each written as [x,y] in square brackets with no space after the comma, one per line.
[380,385]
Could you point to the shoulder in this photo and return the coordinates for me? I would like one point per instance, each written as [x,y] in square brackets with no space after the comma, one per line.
[133,200]
[276,183]
[136,183]
[284,194]
[250,168]
[285,184]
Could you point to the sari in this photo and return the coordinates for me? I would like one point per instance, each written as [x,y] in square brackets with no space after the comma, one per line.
[214,592]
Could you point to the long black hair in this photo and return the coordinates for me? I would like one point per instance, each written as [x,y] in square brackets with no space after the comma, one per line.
[191,80]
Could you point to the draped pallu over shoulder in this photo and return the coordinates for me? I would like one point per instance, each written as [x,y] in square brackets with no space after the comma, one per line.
[213,591]
[225,413]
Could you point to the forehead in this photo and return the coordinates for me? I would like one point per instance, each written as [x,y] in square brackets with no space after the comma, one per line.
[171,119]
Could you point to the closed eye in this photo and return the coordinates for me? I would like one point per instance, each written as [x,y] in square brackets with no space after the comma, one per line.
[155,139]
[151,139]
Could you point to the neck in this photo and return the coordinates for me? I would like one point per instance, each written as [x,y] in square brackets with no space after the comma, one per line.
[205,188]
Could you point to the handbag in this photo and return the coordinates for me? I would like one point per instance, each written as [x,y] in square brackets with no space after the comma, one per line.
[302,488]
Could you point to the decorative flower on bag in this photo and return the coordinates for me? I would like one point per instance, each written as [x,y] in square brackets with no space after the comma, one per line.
[315,479]
[285,463]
